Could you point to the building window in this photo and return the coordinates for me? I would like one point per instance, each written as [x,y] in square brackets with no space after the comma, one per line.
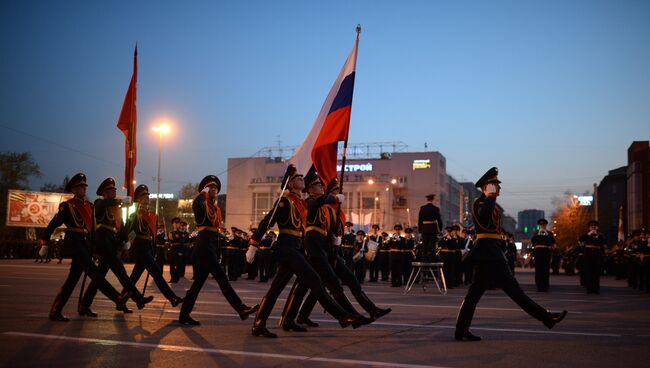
[261,205]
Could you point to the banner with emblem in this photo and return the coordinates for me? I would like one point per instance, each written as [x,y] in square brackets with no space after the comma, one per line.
[33,209]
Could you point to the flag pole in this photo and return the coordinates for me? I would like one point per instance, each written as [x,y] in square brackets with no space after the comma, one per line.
[345,142]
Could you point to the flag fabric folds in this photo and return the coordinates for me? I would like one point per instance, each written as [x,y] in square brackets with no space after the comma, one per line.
[331,126]
[127,123]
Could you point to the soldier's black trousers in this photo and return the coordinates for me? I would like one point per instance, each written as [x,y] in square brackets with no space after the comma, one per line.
[263,264]
[291,260]
[142,254]
[592,268]
[348,279]
[384,264]
[396,268]
[77,245]
[495,273]
[177,261]
[206,263]
[542,267]
[374,268]
[107,246]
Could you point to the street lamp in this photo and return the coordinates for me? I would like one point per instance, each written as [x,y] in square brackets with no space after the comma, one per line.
[161,129]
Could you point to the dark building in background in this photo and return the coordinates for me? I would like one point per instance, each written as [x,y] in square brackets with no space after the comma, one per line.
[508,223]
[527,221]
[612,195]
[638,185]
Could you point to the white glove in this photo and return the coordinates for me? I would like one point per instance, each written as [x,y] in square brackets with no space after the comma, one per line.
[490,189]
[336,241]
[205,190]
[340,198]
[127,245]
[592,232]
[396,236]
[250,253]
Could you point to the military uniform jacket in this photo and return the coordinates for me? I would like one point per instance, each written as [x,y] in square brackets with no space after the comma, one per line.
[77,215]
[429,221]
[143,224]
[176,237]
[290,216]
[541,241]
[206,214]
[489,246]
[320,223]
[593,243]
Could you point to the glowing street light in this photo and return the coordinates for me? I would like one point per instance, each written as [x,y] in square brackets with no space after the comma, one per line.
[161,129]
[371,181]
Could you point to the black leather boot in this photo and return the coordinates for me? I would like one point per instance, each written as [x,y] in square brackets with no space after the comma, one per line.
[307,322]
[379,312]
[144,301]
[176,301]
[86,311]
[259,326]
[187,320]
[246,311]
[55,311]
[466,336]
[370,307]
[554,318]
[290,325]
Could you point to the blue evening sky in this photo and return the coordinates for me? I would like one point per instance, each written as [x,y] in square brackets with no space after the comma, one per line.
[551,92]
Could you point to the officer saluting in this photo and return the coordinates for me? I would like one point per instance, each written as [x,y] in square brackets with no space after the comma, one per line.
[543,243]
[77,215]
[491,265]
[208,221]
[429,223]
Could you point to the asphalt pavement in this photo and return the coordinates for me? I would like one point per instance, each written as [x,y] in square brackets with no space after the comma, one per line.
[607,330]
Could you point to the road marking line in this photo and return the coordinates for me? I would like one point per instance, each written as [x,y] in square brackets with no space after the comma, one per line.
[181,348]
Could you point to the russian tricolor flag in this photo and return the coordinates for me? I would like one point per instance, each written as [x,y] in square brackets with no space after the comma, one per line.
[331,126]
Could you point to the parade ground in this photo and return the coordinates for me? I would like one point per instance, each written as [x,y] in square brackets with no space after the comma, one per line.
[607,330]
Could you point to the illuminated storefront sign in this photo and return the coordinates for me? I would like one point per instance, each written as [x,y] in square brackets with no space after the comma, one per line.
[355,167]
[162,195]
[421,164]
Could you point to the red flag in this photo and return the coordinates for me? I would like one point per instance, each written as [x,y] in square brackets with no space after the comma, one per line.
[127,123]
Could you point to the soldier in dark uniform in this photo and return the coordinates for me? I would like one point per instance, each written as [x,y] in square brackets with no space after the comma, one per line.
[408,254]
[449,245]
[359,258]
[161,246]
[397,243]
[384,256]
[208,221]
[264,255]
[77,215]
[511,252]
[251,268]
[375,265]
[176,251]
[230,253]
[467,266]
[143,224]
[347,244]
[348,278]
[429,225]
[109,236]
[594,245]
[491,264]
[291,216]
[319,226]
[185,242]
[543,243]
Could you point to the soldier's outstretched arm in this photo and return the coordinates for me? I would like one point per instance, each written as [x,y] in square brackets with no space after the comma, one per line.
[56,221]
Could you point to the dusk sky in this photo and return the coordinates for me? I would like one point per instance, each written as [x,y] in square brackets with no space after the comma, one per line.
[551,92]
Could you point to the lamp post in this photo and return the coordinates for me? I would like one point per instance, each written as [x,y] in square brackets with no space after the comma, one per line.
[161,130]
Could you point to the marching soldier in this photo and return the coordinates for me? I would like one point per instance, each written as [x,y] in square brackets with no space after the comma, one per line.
[291,216]
[451,247]
[397,243]
[185,241]
[316,241]
[208,221]
[77,215]
[429,223]
[143,224]
[375,265]
[594,245]
[338,264]
[543,243]
[467,266]
[109,236]
[491,264]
